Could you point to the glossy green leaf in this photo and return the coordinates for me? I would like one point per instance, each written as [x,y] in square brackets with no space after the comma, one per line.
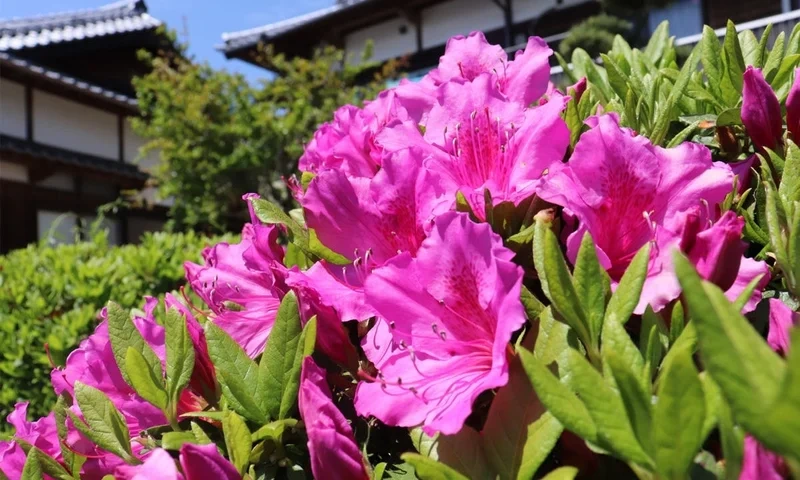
[591,285]
[123,334]
[614,431]
[236,372]
[104,425]
[711,55]
[734,60]
[533,307]
[175,440]
[558,398]
[557,281]
[635,397]
[713,403]
[774,58]
[551,340]
[562,473]
[47,463]
[148,384]
[429,469]
[626,296]
[617,341]
[32,470]
[180,354]
[279,369]
[678,418]
[238,441]
[542,437]
[658,42]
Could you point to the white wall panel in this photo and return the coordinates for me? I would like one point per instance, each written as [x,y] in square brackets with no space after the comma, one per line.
[14,172]
[60,122]
[387,41]
[458,17]
[12,108]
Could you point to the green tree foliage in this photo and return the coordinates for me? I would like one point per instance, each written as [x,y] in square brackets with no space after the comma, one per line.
[51,296]
[220,136]
[595,35]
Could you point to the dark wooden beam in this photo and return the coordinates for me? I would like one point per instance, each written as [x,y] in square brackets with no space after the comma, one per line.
[29,112]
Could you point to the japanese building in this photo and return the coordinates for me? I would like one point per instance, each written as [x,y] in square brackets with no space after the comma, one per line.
[66,143]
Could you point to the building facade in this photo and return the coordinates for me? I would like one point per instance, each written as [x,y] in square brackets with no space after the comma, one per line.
[418,29]
[66,142]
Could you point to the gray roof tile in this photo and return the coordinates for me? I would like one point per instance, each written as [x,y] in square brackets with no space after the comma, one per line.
[119,17]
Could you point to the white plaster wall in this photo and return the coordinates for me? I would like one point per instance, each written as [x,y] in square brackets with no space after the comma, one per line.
[387,41]
[528,9]
[12,108]
[14,172]
[64,231]
[59,181]
[458,17]
[66,124]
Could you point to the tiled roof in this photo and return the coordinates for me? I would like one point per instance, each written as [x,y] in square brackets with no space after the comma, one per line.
[29,68]
[71,158]
[246,38]
[119,17]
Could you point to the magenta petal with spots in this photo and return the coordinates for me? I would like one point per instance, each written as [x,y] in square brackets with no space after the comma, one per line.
[331,445]
[447,317]
[476,139]
[368,221]
[623,190]
[41,433]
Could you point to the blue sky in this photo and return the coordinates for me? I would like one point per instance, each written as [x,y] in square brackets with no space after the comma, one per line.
[206,20]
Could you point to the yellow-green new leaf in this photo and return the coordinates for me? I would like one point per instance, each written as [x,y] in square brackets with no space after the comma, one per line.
[180,354]
[144,381]
[429,469]
[238,441]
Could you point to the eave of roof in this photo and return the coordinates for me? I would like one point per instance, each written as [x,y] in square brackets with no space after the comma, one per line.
[247,38]
[71,158]
[42,73]
[119,17]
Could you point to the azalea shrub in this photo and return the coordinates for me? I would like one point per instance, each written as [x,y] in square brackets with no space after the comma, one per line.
[487,278]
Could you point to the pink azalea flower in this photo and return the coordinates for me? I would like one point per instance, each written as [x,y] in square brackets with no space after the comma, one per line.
[447,317]
[717,251]
[243,284]
[200,462]
[761,111]
[522,80]
[242,290]
[331,445]
[158,465]
[781,320]
[793,108]
[622,190]
[476,139]
[368,221]
[41,433]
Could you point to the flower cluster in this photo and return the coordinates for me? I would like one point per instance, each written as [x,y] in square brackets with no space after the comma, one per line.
[411,273]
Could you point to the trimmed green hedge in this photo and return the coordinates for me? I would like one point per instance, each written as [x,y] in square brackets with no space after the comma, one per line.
[51,296]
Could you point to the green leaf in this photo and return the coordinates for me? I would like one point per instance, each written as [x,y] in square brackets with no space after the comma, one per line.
[180,354]
[175,440]
[429,469]
[667,114]
[551,340]
[624,300]
[778,427]
[60,413]
[542,437]
[616,78]
[32,470]
[104,425]
[591,285]
[557,281]
[558,398]
[236,372]
[123,334]
[635,397]
[678,418]
[683,135]
[734,60]
[614,431]
[324,253]
[747,371]
[144,380]
[238,441]
[562,473]
[47,463]
[774,58]
[789,189]
[566,68]
[533,307]
[425,445]
[712,58]
[616,340]
[514,408]
[762,47]
[658,42]
[732,440]
[751,50]
[464,452]
[274,430]
[713,403]
[378,471]
[780,82]
[279,369]
[731,116]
